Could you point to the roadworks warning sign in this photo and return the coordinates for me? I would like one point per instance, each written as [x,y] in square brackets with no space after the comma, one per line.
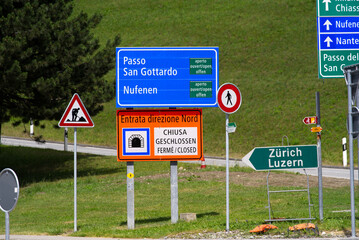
[76,114]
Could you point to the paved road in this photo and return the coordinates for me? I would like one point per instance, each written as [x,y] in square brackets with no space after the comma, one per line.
[108,151]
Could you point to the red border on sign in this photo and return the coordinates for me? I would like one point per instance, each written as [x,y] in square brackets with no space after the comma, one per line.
[234,88]
[63,122]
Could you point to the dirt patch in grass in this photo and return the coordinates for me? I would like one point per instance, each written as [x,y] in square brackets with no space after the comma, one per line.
[253,179]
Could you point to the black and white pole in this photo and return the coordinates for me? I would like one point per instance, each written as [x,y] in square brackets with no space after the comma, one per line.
[66,137]
[345,152]
[31,127]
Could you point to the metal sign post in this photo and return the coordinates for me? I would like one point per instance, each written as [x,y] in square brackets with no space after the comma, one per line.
[163,77]
[7,226]
[319,149]
[352,85]
[229,100]
[227,174]
[75,115]
[174,192]
[130,195]
[75,180]
[9,194]
[158,135]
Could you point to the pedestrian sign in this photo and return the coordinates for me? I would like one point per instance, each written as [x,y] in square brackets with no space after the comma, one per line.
[76,114]
[229,98]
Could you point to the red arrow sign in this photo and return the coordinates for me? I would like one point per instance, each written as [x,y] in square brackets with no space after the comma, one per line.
[310,120]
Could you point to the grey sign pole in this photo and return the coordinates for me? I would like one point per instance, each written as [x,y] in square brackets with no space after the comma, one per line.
[65,139]
[130,196]
[174,191]
[9,194]
[351,160]
[7,226]
[71,113]
[75,179]
[357,103]
[227,174]
[229,100]
[319,149]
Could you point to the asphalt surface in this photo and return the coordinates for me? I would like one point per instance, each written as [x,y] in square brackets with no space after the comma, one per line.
[108,151]
[327,171]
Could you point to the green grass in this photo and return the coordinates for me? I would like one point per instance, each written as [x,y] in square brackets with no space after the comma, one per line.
[45,205]
[267,48]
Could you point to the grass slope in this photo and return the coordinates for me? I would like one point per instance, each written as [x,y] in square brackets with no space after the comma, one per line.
[267,48]
[45,205]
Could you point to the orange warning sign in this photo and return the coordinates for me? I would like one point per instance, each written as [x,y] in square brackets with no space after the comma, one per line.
[159,135]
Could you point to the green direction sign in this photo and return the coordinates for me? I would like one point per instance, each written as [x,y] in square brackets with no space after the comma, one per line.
[338,36]
[331,62]
[287,157]
[337,8]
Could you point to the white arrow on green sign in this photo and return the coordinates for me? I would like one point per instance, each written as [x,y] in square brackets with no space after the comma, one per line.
[338,36]
[283,157]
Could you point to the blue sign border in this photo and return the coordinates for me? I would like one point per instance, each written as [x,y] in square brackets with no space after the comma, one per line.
[171,90]
[144,153]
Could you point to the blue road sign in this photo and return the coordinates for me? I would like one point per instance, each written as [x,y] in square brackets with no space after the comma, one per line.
[338,24]
[339,41]
[338,36]
[166,77]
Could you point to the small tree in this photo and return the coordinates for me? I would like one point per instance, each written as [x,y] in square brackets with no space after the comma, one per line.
[46,55]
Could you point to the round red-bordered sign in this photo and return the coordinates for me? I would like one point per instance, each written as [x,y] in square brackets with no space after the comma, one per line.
[229,98]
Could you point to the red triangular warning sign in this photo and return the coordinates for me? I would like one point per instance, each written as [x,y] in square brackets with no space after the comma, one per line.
[76,114]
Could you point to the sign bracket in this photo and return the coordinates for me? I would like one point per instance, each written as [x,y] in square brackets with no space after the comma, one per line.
[270,210]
